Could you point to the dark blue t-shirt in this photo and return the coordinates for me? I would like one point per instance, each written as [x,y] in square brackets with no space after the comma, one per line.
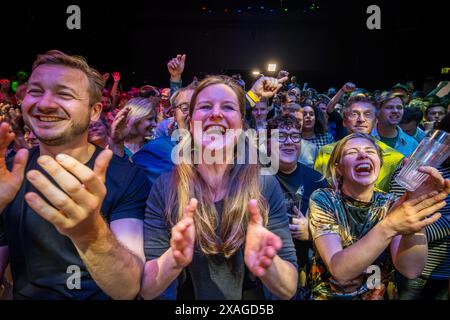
[297,188]
[299,185]
[155,157]
[40,256]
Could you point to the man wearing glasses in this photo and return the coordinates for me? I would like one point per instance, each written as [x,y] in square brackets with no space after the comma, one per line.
[360,115]
[308,150]
[298,182]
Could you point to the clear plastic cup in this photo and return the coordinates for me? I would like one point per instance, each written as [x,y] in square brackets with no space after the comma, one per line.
[432,151]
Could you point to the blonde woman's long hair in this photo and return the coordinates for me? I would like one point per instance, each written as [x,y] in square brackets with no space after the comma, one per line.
[140,108]
[242,184]
[331,174]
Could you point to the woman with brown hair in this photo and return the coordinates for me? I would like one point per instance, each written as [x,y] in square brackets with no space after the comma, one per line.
[353,225]
[315,128]
[219,223]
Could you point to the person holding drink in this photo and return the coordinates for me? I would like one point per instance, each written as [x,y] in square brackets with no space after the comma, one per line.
[361,234]
[432,284]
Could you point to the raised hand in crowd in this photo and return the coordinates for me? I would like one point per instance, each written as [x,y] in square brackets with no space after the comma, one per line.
[348,87]
[114,98]
[282,74]
[266,87]
[105,76]
[116,76]
[176,67]
[119,131]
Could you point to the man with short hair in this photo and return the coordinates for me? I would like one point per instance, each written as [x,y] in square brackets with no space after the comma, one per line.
[387,129]
[412,116]
[360,115]
[73,228]
[435,112]
[259,115]
[308,150]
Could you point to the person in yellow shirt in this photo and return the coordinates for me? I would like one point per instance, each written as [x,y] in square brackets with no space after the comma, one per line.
[360,115]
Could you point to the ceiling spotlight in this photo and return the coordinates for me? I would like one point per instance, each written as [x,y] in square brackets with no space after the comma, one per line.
[271,67]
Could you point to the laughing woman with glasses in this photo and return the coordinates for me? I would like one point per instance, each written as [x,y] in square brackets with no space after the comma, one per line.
[360,234]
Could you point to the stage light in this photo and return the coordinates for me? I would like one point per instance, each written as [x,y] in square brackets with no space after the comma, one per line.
[255,72]
[271,67]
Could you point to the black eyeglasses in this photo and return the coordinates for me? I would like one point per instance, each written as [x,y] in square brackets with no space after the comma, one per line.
[295,137]
[184,107]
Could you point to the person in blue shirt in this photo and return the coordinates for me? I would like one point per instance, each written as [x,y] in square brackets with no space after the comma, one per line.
[155,157]
[388,130]
[412,116]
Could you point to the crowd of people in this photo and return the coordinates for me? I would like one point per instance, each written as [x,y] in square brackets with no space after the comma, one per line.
[93,204]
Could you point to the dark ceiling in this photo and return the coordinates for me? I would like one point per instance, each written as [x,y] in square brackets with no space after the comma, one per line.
[322,42]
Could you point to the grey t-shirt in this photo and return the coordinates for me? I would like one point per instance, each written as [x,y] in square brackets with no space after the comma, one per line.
[215,277]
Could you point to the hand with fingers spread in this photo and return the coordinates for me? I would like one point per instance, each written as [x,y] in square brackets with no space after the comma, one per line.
[176,67]
[266,87]
[183,236]
[10,181]
[119,128]
[74,209]
[299,226]
[261,245]
[116,76]
[411,216]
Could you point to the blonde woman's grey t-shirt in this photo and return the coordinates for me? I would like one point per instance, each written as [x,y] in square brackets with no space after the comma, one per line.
[215,277]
